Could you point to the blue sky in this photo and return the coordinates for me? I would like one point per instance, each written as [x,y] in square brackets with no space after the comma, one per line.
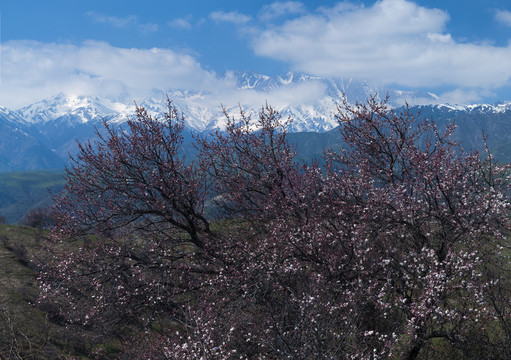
[460,50]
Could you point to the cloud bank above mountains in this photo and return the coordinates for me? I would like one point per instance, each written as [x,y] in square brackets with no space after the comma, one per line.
[30,69]
[392,42]
[395,43]
[33,70]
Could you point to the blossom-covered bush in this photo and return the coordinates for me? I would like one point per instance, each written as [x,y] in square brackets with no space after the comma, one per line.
[396,248]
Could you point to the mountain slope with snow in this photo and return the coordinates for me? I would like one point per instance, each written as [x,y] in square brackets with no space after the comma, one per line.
[54,125]
[310,100]
[19,150]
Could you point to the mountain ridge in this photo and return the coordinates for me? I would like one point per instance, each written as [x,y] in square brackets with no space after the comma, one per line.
[203,110]
[43,134]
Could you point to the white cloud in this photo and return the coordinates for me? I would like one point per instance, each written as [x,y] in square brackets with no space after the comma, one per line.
[339,7]
[393,42]
[148,27]
[454,97]
[118,22]
[459,96]
[307,92]
[503,16]
[33,70]
[122,22]
[180,23]
[231,16]
[280,8]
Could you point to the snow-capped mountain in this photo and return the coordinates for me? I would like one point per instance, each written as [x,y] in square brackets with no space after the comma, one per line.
[19,149]
[79,109]
[500,107]
[311,101]
[54,125]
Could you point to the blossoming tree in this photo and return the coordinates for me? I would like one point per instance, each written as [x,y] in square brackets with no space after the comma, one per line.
[396,248]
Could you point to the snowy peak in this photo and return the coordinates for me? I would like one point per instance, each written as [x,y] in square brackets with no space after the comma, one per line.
[497,108]
[260,82]
[81,108]
[7,115]
[486,108]
[249,80]
[310,100]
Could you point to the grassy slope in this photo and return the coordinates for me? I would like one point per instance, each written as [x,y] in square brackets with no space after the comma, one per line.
[21,191]
[20,322]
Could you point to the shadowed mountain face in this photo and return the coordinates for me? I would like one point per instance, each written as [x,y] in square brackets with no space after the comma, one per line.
[21,151]
[473,124]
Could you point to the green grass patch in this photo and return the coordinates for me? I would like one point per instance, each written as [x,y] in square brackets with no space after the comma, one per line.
[22,191]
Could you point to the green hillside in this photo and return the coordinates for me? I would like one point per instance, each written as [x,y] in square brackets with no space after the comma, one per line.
[25,330]
[21,191]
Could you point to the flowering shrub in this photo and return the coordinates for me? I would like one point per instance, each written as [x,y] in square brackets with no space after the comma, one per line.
[396,247]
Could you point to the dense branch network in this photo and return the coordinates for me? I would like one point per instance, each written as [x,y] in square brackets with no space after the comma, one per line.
[396,245]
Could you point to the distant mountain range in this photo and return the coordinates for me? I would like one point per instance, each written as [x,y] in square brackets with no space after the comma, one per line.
[43,134]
